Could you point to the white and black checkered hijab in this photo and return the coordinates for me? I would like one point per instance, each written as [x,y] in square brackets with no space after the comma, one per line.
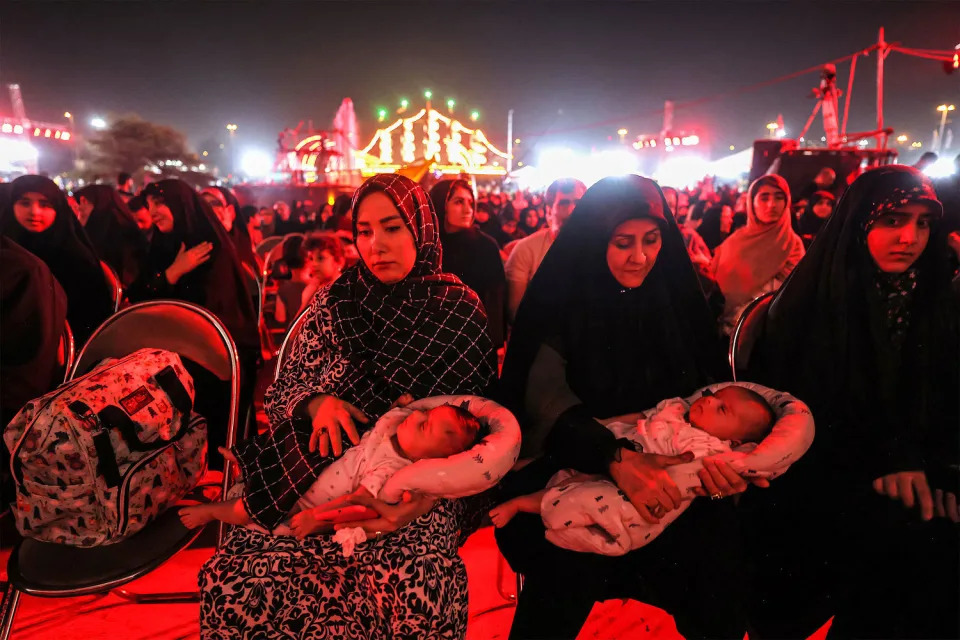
[425,335]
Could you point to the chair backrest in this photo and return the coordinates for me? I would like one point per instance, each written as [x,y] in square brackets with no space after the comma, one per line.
[113,280]
[174,325]
[275,253]
[178,326]
[744,336]
[287,347]
[254,289]
[267,244]
[66,351]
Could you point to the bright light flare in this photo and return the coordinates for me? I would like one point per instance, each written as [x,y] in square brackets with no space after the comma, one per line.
[98,123]
[682,171]
[256,163]
[942,168]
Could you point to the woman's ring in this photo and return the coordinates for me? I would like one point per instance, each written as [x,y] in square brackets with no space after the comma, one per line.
[716,496]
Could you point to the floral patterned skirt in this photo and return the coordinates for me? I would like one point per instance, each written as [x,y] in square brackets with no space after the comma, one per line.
[410,584]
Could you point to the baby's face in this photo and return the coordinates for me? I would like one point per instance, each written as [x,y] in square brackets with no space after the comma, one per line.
[727,414]
[436,433]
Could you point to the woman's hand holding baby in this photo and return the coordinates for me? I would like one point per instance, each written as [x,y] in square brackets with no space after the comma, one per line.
[330,415]
[721,481]
[392,516]
[644,479]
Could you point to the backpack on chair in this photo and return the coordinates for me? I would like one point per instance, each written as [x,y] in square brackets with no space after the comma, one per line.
[100,457]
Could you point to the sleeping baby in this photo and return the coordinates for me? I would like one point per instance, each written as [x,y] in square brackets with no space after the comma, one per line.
[440,432]
[589,513]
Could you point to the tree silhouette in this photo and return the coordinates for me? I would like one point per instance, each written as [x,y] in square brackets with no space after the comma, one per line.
[140,147]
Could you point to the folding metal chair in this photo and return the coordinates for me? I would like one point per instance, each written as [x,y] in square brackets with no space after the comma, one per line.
[52,570]
[66,352]
[266,245]
[744,336]
[113,280]
[287,345]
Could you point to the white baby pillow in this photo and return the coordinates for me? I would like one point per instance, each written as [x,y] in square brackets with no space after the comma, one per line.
[463,474]
[791,436]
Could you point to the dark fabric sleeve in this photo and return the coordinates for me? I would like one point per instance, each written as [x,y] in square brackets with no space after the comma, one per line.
[150,285]
[471,513]
[559,424]
[495,298]
[33,309]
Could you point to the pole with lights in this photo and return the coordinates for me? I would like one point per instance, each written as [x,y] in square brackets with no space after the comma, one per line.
[232,128]
[943,109]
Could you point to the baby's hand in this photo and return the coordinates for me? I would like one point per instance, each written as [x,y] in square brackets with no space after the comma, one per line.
[304,523]
[402,401]
[501,515]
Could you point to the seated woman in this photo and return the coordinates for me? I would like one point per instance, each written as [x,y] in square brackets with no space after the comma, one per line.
[226,207]
[469,253]
[192,258]
[613,322]
[867,332]
[759,257]
[40,220]
[815,215]
[392,324]
[113,231]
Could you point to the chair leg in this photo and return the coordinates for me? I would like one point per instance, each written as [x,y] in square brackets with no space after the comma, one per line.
[8,610]
[156,598]
[511,598]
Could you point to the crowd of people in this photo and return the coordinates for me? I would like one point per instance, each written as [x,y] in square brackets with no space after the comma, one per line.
[601,302]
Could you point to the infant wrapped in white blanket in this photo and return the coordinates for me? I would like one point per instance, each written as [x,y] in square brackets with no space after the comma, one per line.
[444,446]
[758,431]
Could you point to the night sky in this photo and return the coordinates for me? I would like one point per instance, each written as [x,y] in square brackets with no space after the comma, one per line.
[561,65]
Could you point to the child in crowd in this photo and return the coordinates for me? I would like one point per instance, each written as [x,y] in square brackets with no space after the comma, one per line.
[440,432]
[603,519]
[313,263]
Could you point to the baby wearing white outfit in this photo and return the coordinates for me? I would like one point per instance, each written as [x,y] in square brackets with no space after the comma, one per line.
[590,514]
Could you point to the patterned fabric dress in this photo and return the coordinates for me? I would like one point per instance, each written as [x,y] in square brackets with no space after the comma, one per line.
[366,343]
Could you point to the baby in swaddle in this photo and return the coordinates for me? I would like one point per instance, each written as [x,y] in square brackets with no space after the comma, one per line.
[589,513]
[440,432]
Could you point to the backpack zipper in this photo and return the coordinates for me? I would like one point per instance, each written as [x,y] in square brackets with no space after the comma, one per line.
[123,493]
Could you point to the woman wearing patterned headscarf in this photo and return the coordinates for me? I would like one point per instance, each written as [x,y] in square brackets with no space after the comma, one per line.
[759,257]
[867,331]
[40,220]
[392,324]
[113,231]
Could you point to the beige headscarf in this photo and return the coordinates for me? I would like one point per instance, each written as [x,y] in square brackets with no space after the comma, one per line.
[758,252]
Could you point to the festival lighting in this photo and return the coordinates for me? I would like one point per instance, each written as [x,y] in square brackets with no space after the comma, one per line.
[474,115]
[682,171]
[428,94]
[451,103]
[256,163]
[18,150]
[381,115]
[942,168]
[446,144]
[232,128]
[404,103]
[917,144]
[98,123]
[902,138]
[67,115]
